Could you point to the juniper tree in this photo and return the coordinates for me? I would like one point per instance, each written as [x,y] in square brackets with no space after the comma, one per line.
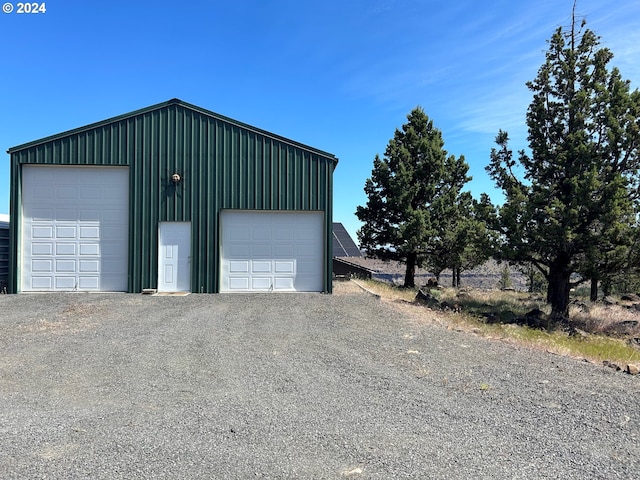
[412,192]
[580,179]
[465,240]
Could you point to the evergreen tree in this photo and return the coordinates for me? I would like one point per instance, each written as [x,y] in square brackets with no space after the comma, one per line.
[412,193]
[465,241]
[581,180]
[505,282]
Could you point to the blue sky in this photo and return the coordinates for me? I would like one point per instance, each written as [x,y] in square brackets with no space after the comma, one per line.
[340,76]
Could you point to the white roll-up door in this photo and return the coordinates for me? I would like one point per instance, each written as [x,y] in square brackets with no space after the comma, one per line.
[75,228]
[271,251]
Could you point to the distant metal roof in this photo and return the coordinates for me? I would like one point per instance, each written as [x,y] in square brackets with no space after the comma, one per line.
[176,101]
[343,244]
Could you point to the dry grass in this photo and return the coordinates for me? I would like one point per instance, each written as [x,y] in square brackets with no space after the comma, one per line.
[611,320]
[388,291]
[603,335]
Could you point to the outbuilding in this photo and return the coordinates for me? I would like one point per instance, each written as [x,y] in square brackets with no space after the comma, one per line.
[171,197]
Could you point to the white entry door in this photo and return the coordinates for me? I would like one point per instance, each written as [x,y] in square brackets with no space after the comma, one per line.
[174,257]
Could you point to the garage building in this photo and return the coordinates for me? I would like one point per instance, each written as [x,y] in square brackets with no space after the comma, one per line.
[170,197]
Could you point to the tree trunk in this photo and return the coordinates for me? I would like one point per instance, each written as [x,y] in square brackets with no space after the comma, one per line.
[410,273]
[558,291]
[455,277]
[594,290]
[531,278]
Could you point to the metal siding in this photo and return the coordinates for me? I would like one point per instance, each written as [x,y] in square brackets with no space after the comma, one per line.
[4,256]
[14,232]
[223,166]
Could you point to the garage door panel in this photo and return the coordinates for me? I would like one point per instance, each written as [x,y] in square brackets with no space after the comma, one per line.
[43,214]
[261,266]
[68,225]
[110,250]
[89,266]
[88,249]
[260,283]
[275,245]
[39,248]
[65,232]
[109,216]
[284,251]
[260,235]
[43,192]
[91,232]
[88,282]
[305,234]
[261,251]
[89,215]
[284,284]
[239,266]
[65,266]
[66,215]
[88,193]
[65,283]
[284,266]
[239,284]
[41,232]
[238,250]
[110,266]
[238,233]
[42,266]
[41,283]
[284,233]
[110,283]
[65,193]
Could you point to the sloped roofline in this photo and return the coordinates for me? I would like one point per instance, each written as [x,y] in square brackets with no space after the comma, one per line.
[175,101]
[352,264]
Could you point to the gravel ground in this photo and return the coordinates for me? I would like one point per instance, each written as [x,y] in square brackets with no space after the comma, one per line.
[292,386]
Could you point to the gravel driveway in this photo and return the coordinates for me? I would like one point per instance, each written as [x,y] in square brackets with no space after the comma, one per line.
[292,386]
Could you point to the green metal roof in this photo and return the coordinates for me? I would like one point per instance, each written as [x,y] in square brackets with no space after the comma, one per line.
[175,101]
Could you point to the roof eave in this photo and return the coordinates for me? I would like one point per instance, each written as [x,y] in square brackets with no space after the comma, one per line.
[174,101]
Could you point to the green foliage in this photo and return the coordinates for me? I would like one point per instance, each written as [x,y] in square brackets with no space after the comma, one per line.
[414,196]
[575,205]
[536,283]
[465,241]
[505,278]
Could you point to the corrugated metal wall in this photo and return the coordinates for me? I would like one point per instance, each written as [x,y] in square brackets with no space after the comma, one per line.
[224,164]
[4,256]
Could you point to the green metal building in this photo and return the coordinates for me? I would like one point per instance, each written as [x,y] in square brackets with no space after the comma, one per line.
[4,253]
[171,197]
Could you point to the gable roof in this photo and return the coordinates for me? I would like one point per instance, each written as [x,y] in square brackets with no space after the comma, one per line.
[343,244]
[189,106]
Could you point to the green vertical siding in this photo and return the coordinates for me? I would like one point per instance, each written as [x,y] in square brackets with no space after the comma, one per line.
[4,256]
[224,164]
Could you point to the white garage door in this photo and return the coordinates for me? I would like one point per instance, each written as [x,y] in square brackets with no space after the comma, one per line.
[75,228]
[271,251]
